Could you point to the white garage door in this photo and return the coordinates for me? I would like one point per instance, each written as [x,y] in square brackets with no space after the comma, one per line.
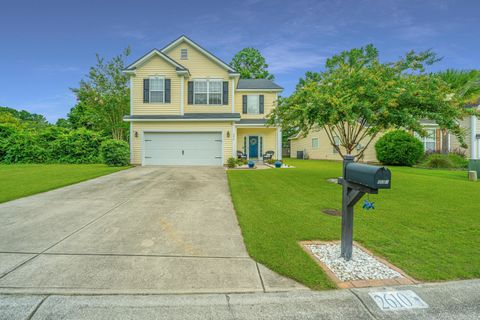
[183,148]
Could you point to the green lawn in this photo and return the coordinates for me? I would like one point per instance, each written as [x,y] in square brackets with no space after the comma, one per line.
[20,180]
[428,224]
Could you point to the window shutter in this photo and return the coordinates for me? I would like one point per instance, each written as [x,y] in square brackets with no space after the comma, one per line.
[167,90]
[262,106]
[225,92]
[190,92]
[244,102]
[146,90]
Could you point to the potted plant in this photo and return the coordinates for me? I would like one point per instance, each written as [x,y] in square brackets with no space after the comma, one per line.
[251,164]
[278,164]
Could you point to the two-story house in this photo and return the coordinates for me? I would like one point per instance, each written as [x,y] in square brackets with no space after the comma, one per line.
[188,107]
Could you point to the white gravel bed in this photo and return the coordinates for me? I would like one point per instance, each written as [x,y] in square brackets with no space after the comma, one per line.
[362,266]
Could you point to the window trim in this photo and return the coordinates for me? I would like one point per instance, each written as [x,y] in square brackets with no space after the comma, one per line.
[208,91]
[150,88]
[315,147]
[258,100]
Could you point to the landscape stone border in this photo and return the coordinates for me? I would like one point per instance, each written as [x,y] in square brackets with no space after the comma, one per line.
[405,280]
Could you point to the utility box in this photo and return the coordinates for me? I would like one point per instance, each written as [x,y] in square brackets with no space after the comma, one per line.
[299,154]
[374,177]
[474,165]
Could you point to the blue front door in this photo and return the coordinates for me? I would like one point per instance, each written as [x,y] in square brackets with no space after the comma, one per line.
[253,146]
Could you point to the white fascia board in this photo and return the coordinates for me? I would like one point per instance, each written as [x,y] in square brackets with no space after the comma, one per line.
[181,120]
[193,44]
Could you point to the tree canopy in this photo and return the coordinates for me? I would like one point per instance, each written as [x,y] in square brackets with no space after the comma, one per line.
[357,96]
[251,64]
[103,98]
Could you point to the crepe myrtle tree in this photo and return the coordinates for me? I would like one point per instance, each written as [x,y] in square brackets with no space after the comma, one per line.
[357,96]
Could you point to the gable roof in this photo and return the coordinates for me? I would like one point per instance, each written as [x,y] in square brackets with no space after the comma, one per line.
[211,56]
[152,53]
[258,84]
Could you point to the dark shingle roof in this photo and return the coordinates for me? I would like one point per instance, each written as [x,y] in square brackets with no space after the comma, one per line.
[262,84]
[186,116]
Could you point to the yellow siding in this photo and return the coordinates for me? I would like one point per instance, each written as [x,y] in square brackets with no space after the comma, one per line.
[201,67]
[155,66]
[180,126]
[270,101]
[269,138]
[325,148]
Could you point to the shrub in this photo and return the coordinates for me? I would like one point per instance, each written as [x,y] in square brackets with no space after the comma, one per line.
[78,146]
[24,147]
[436,160]
[241,162]
[399,148]
[231,163]
[446,161]
[115,152]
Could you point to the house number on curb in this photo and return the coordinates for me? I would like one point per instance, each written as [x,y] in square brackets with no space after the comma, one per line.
[397,300]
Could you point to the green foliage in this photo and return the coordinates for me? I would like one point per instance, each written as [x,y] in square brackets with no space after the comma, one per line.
[24,116]
[104,98]
[445,161]
[399,148]
[436,160]
[232,163]
[250,63]
[465,83]
[24,147]
[115,152]
[357,96]
[77,146]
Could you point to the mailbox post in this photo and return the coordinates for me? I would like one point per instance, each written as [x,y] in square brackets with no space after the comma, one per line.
[357,179]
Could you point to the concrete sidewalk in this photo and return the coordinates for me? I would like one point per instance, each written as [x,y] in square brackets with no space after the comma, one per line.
[451,300]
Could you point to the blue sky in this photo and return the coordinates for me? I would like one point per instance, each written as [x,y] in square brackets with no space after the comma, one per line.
[46,47]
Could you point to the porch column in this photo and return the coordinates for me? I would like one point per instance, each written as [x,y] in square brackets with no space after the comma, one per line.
[473,137]
[234,141]
[279,143]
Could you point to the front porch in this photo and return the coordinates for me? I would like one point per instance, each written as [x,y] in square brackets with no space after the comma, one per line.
[255,141]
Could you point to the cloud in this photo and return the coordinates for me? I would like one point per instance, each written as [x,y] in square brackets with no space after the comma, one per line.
[286,56]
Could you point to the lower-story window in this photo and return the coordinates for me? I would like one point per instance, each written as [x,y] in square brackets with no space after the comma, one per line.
[429,141]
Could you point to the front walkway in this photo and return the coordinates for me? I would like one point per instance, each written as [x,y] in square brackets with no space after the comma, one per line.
[143,230]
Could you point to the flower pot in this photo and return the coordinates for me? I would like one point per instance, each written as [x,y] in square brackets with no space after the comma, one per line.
[278,164]
[251,164]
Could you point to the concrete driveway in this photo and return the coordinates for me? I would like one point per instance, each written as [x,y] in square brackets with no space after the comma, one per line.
[143,230]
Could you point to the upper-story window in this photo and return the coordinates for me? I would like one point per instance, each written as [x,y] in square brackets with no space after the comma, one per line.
[314,143]
[207,92]
[253,104]
[183,54]
[157,89]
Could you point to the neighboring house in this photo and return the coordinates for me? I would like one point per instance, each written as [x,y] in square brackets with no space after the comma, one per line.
[188,107]
[316,144]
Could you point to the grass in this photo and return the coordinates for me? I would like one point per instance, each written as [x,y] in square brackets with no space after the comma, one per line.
[20,180]
[427,224]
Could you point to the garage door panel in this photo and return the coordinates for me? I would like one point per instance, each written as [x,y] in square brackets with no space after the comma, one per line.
[189,148]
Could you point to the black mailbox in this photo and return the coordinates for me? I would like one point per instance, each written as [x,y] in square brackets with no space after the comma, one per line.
[374,177]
